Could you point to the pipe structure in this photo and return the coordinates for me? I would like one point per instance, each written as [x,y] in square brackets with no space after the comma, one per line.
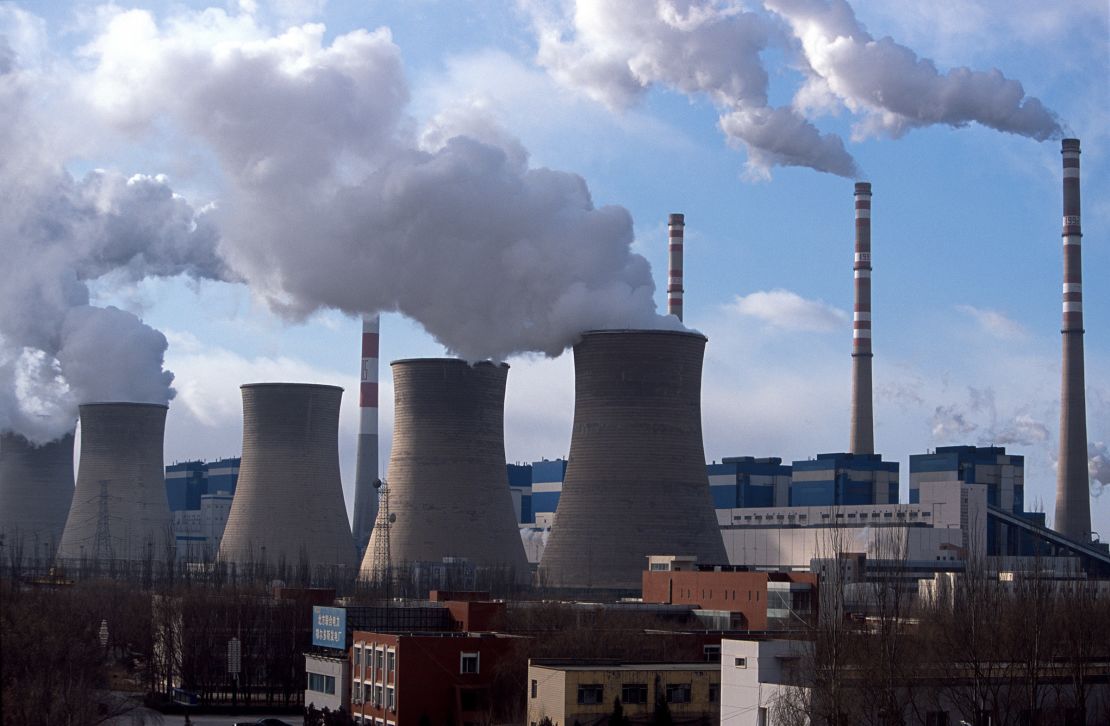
[1073,493]
[448,487]
[36,488]
[676,226]
[862,436]
[635,483]
[366,466]
[119,511]
[288,506]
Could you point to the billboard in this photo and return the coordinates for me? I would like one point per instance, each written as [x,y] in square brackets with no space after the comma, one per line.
[329,627]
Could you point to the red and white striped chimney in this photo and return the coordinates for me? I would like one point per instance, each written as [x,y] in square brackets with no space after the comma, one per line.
[366,467]
[1073,497]
[675,226]
[863,425]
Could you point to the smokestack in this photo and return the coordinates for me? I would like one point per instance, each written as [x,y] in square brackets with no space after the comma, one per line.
[863,424]
[366,467]
[1073,498]
[447,484]
[119,509]
[288,504]
[675,233]
[36,487]
[635,483]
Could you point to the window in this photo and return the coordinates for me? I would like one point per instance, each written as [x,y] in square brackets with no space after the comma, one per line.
[358,656]
[321,683]
[678,693]
[377,695]
[741,663]
[379,659]
[712,653]
[468,662]
[389,702]
[714,692]
[535,687]
[634,693]
[390,661]
[761,717]
[356,691]
[591,694]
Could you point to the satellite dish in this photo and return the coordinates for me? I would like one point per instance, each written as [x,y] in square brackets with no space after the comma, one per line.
[392,517]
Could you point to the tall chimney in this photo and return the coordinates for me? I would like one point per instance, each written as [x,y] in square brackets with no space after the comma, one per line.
[119,509]
[636,482]
[448,487]
[288,503]
[675,226]
[863,424]
[36,487]
[366,467]
[1073,500]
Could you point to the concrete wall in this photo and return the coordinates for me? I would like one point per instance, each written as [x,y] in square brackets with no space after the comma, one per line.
[36,487]
[337,667]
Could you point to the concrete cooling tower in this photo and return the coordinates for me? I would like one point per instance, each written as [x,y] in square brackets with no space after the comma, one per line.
[119,509]
[448,490]
[288,505]
[36,487]
[635,483]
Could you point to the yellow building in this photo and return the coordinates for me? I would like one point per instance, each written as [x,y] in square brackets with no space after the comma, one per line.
[583,692]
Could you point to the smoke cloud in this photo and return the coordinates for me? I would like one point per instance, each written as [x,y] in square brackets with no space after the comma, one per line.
[1098,464]
[615,51]
[346,205]
[56,235]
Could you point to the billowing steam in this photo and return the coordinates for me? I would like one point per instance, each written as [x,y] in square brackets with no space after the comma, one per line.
[339,205]
[615,50]
[58,233]
[1098,464]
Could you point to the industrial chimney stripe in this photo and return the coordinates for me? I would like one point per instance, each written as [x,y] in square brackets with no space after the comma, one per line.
[1073,503]
[862,420]
[366,463]
[676,225]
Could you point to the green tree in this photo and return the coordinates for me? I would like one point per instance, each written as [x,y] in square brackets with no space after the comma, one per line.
[661,716]
[617,718]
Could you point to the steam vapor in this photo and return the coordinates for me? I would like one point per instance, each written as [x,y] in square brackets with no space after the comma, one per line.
[614,51]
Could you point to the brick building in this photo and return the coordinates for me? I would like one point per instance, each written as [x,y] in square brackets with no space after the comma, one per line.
[405,679]
[740,599]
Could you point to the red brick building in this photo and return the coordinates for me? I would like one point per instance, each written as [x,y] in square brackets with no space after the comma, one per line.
[440,678]
[753,600]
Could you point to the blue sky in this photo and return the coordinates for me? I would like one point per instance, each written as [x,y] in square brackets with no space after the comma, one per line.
[966,221]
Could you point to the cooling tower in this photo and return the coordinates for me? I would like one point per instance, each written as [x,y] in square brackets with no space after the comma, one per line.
[1073,494]
[366,462]
[862,437]
[635,483]
[448,490]
[288,506]
[36,487]
[119,509]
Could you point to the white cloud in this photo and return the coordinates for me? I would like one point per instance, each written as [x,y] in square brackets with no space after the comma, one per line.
[789,311]
[994,323]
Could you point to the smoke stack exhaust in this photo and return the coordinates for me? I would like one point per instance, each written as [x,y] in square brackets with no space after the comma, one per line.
[676,226]
[635,482]
[36,488]
[447,484]
[1073,499]
[366,467]
[288,503]
[119,509]
[863,422]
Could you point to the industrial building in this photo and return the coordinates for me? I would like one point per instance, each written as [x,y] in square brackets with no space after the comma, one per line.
[745,481]
[36,488]
[447,496]
[835,480]
[199,495]
[520,487]
[547,486]
[583,692]
[288,505]
[119,511]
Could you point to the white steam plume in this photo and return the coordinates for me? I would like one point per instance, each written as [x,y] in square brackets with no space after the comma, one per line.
[614,51]
[340,206]
[58,233]
[1098,464]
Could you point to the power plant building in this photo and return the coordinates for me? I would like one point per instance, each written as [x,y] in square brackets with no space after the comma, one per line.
[636,482]
[288,504]
[119,510]
[36,487]
[844,479]
[547,486]
[199,495]
[747,481]
[520,487]
[447,485]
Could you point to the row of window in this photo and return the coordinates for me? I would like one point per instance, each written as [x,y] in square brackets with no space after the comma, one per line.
[372,721]
[375,696]
[592,694]
[377,660]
